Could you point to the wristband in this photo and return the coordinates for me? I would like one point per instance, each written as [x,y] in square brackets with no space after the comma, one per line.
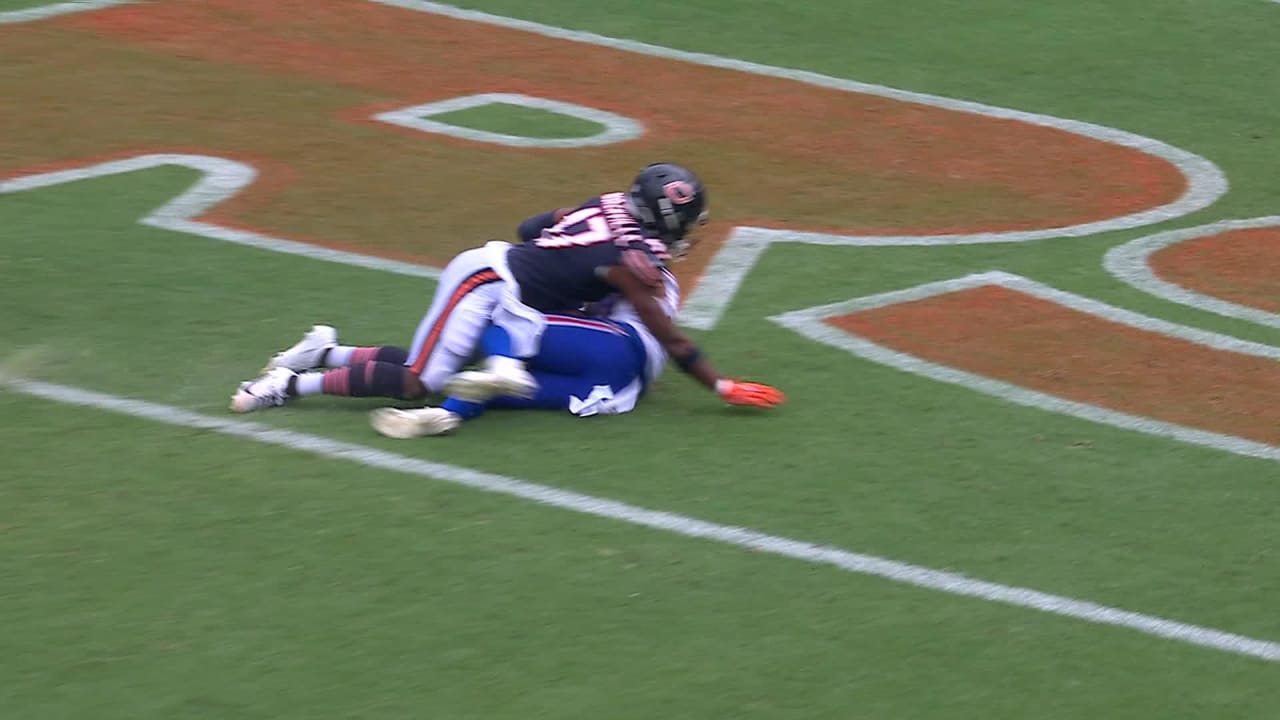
[686,362]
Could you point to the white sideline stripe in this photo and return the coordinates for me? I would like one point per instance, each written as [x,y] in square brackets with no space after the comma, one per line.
[809,323]
[221,179]
[54,9]
[617,128]
[947,582]
[727,270]
[1131,263]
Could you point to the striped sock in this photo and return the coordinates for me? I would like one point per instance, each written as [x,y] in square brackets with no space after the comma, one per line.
[362,379]
[341,356]
[308,383]
[327,382]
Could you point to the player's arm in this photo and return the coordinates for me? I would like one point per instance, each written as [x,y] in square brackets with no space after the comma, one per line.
[683,351]
[531,229]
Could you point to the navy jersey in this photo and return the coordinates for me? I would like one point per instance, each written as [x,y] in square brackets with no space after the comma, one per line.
[560,269]
[531,229]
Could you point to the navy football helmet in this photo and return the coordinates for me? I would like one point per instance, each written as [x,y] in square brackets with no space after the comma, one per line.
[669,200]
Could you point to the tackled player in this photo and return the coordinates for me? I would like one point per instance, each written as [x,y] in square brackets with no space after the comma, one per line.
[498,301]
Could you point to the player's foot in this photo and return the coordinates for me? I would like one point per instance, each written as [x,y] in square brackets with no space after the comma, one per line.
[501,376]
[306,353]
[270,390]
[419,422]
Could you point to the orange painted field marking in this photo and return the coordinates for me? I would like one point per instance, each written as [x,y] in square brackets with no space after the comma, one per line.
[1242,266]
[838,156]
[762,121]
[221,179]
[1231,267]
[1034,345]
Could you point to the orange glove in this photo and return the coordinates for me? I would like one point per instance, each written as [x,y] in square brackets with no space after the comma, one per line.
[736,392]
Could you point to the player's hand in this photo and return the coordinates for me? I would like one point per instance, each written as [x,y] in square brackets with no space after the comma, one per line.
[736,392]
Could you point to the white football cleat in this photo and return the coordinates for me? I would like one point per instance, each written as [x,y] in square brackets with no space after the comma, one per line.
[418,422]
[305,354]
[270,390]
[501,376]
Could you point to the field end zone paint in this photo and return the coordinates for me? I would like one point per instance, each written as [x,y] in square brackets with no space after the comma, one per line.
[1132,263]
[174,216]
[722,278]
[746,538]
[1201,182]
[223,178]
[814,323]
[220,179]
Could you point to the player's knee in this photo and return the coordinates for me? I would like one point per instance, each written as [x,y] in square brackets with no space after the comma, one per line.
[434,379]
[413,387]
[392,354]
[383,379]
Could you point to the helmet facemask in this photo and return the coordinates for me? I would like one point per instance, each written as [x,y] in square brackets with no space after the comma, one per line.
[688,236]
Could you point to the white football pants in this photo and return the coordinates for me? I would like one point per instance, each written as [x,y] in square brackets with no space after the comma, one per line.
[475,289]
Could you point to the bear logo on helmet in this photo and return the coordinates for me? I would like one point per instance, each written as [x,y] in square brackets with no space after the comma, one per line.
[679,192]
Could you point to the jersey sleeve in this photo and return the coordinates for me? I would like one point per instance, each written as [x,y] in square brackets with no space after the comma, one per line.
[531,228]
[616,308]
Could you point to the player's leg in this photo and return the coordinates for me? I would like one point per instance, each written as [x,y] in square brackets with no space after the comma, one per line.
[447,336]
[371,378]
[585,366]
[580,365]
[461,304]
[340,356]
[561,352]
[514,338]
[420,422]
[319,348]
[356,371]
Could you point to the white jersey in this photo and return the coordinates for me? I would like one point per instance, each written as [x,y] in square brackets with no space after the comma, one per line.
[623,311]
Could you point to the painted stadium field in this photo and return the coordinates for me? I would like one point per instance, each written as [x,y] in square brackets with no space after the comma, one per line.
[1015,265]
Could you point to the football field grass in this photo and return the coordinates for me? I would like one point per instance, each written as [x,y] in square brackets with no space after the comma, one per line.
[155,570]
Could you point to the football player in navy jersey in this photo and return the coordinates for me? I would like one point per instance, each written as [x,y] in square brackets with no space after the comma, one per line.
[588,364]
[616,243]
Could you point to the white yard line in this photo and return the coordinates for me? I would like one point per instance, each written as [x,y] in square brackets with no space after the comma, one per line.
[41,12]
[809,323]
[858,563]
[724,275]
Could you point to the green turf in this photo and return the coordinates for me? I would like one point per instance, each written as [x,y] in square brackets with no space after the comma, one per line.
[23,4]
[165,573]
[889,476]
[509,119]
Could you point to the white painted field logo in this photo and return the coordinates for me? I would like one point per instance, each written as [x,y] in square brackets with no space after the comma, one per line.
[222,178]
